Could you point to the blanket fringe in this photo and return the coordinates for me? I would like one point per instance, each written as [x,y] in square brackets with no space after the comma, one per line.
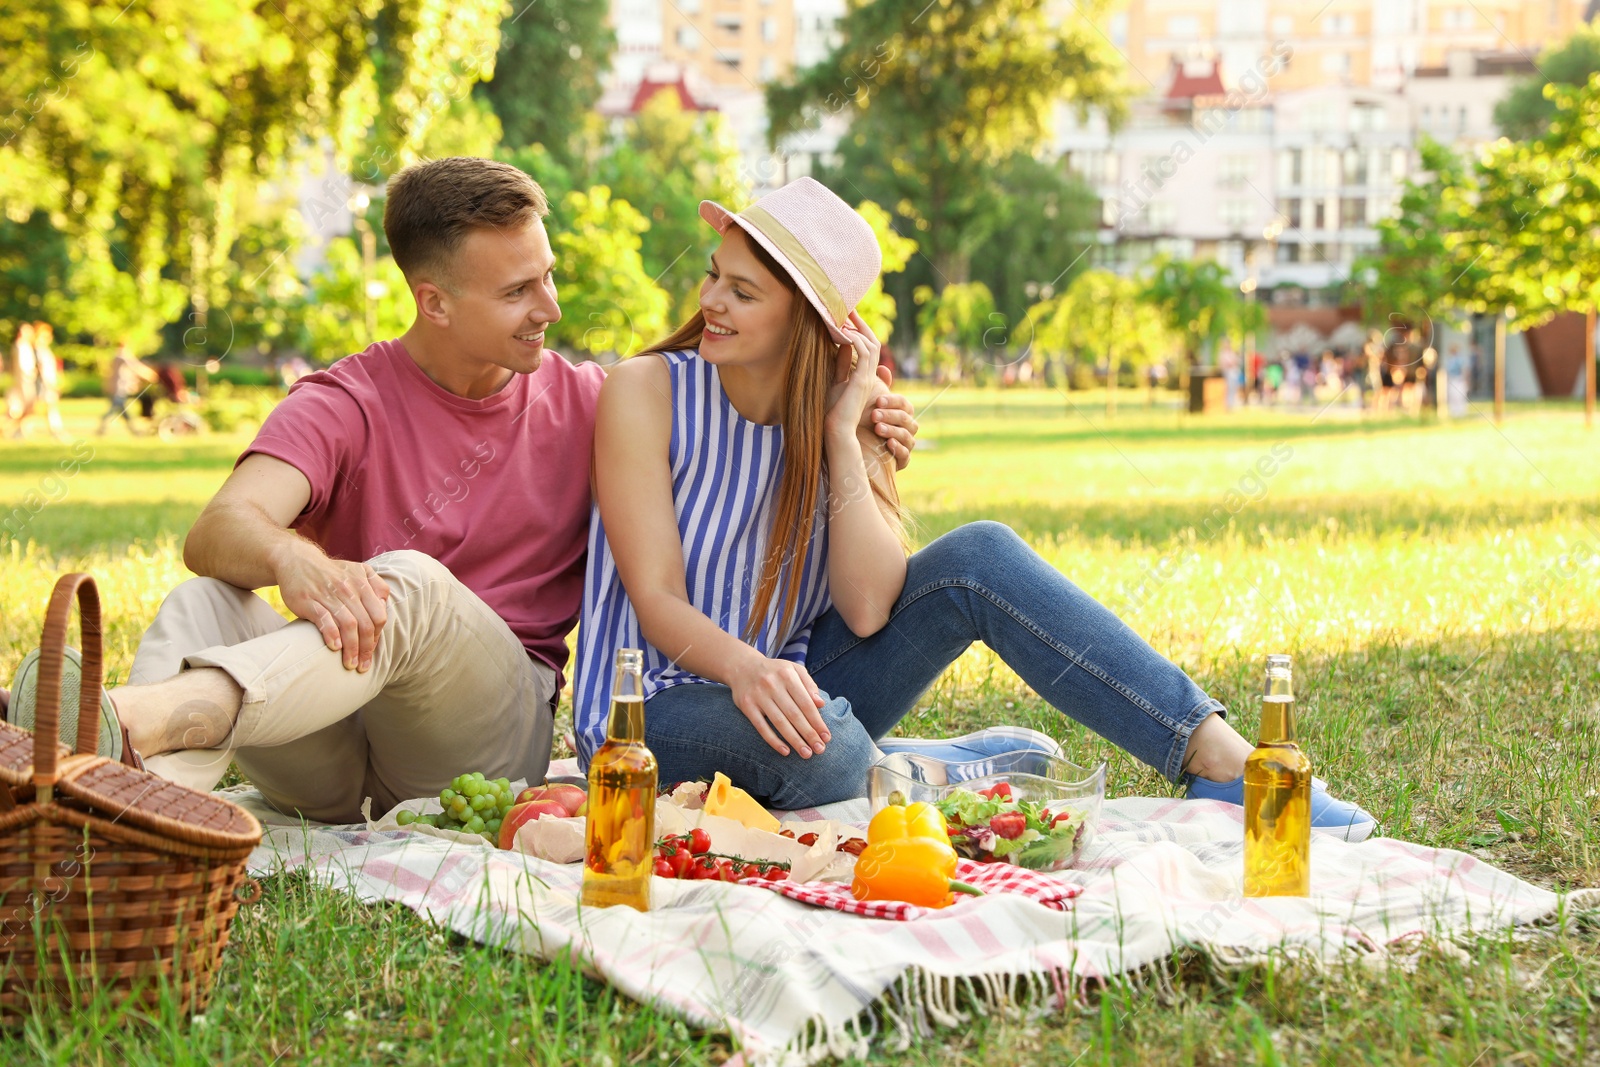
[921,1002]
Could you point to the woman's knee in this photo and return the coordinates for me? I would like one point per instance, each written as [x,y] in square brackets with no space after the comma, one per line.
[982,539]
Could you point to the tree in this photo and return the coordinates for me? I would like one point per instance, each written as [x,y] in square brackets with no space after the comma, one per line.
[553,55]
[1197,302]
[940,94]
[611,305]
[335,318]
[877,308]
[140,142]
[667,162]
[1102,315]
[958,329]
[1524,113]
[1040,218]
[1538,220]
[1421,269]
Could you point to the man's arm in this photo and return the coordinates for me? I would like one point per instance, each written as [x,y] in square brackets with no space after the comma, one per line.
[890,418]
[243,538]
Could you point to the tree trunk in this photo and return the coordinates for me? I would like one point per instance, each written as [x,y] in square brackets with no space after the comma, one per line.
[1500,367]
[1111,383]
[1588,369]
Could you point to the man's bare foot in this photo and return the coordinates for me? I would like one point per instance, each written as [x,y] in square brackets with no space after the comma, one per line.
[195,709]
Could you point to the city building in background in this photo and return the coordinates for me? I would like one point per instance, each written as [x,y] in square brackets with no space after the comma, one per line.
[1377,43]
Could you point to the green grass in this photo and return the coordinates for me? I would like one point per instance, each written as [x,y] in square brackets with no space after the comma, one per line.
[1438,586]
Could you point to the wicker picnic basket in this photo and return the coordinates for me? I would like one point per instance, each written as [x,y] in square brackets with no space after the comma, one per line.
[112,881]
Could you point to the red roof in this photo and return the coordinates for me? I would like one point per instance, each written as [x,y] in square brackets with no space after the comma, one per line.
[1187,87]
[648,89]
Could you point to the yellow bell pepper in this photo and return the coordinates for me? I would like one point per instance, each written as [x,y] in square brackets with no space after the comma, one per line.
[908,857]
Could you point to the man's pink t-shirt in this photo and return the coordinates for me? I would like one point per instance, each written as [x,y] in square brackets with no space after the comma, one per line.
[495,489]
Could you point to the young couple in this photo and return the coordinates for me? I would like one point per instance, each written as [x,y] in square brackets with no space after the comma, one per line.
[423,508]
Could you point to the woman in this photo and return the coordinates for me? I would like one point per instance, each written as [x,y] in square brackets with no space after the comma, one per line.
[20,398]
[748,537]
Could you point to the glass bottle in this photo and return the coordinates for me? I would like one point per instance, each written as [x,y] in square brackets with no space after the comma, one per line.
[620,831]
[1277,797]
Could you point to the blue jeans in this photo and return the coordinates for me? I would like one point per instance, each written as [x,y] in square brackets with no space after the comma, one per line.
[980,582]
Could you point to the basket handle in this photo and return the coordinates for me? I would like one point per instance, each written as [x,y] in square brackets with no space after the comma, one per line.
[52,645]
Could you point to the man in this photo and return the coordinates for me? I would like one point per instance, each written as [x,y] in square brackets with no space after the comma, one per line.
[423,508]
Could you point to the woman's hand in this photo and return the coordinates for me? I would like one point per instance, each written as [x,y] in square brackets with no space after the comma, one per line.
[781,701]
[855,380]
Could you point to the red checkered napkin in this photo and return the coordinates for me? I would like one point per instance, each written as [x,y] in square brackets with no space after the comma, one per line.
[989,877]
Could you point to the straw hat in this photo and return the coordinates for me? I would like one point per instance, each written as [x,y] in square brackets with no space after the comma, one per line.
[828,249]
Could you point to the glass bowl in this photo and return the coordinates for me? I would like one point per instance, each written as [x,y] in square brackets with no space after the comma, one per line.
[1071,793]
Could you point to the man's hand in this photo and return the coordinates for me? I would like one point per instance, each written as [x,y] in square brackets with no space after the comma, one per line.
[890,417]
[345,601]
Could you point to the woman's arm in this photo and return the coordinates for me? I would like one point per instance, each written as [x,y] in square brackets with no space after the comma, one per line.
[866,563]
[633,486]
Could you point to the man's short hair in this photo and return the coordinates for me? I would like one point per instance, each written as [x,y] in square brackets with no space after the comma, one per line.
[431,207]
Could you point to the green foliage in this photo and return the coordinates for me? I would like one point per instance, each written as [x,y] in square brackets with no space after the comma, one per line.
[1536,218]
[553,54]
[939,95]
[959,330]
[1196,301]
[877,308]
[335,316]
[1102,317]
[1422,269]
[142,131]
[1524,113]
[667,161]
[1040,219]
[614,308]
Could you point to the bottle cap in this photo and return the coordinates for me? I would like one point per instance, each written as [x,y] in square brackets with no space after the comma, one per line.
[1279,662]
[630,657]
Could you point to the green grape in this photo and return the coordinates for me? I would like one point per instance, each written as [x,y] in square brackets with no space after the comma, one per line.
[475,825]
[504,784]
[492,826]
[446,795]
[406,818]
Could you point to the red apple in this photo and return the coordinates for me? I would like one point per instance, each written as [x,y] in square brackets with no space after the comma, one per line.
[573,799]
[521,813]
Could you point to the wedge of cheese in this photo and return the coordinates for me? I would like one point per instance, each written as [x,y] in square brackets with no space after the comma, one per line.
[731,802]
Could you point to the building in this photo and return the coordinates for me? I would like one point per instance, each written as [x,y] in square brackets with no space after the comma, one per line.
[1367,43]
[1284,185]
[721,54]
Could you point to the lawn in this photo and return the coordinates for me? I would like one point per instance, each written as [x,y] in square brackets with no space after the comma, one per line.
[1438,585]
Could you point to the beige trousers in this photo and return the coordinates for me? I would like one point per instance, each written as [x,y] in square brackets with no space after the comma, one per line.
[451,690]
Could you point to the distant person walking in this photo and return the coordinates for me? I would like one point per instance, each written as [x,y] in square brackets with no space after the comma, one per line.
[127,376]
[49,378]
[24,368]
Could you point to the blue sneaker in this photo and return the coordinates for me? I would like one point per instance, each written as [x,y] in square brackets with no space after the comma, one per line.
[1336,818]
[979,745]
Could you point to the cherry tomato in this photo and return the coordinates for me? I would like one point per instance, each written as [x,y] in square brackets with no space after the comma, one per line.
[664,869]
[775,874]
[808,839]
[680,862]
[699,841]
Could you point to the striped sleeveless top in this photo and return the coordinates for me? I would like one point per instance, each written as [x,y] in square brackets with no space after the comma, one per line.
[725,475]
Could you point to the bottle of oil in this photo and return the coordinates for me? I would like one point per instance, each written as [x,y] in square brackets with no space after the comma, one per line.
[1277,797]
[620,834]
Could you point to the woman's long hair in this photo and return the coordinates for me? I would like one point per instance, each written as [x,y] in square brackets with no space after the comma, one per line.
[808,374]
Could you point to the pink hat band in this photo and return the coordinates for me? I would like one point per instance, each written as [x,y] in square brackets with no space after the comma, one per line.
[825,246]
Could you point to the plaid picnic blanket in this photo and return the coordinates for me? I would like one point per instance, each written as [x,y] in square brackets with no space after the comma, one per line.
[794,983]
[1048,890]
